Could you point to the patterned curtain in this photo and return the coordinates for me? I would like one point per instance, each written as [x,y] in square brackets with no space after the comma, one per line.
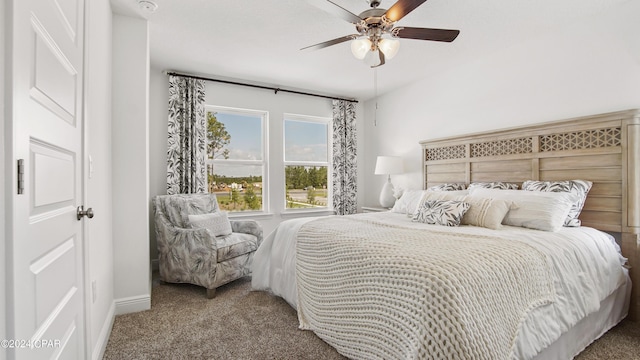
[344,157]
[186,172]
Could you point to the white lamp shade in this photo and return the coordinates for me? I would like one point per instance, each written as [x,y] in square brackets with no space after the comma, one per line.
[360,47]
[389,47]
[389,165]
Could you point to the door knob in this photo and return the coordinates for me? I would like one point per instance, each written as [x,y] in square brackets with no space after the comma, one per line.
[82,212]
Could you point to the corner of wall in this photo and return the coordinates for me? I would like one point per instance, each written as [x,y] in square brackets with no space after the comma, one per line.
[132,304]
[3,144]
[103,337]
[130,156]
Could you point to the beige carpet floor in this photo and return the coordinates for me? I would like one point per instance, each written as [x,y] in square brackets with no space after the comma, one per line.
[243,324]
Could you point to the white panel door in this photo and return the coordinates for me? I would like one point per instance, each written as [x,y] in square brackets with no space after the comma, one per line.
[47,292]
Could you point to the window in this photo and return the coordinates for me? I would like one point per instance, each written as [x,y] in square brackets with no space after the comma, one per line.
[307,164]
[236,155]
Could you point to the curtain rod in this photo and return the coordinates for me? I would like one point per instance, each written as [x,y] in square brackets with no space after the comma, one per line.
[276,90]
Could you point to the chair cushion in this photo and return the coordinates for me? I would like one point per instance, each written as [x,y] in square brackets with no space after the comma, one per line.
[235,245]
[177,208]
[217,222]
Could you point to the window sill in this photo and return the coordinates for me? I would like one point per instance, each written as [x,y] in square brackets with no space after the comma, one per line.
[249,215]
[305,213]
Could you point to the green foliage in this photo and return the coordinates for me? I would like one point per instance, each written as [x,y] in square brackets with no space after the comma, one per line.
[217,138]
[300,177]
[311,195]
[251,199]
[235,197]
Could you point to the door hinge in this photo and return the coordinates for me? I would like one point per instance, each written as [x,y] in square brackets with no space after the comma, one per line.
[20,176]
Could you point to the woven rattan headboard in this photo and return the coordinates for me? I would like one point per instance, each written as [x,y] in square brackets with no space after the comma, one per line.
[604,149]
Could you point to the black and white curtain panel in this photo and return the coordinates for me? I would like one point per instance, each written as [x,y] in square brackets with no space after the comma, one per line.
[186,172]
[344,157]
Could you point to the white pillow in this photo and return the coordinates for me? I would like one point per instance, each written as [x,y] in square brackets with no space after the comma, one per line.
[580,188]
[217,222]
[408,202]
[533,209]
[485,212]
[444,195]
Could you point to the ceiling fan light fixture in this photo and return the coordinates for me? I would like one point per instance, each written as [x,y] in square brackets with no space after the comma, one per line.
[376,37]
[360,48]
[372,58]
[389,47]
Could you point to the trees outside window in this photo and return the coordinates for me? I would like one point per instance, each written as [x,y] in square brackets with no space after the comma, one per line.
[307,162]
[235,157]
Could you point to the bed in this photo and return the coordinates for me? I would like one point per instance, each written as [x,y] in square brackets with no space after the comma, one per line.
[380,285]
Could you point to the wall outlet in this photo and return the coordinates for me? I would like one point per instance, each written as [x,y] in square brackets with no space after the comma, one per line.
[94,291]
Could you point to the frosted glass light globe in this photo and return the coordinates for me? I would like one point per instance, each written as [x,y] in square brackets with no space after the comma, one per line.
[372,58]
[389,47]
[360,48]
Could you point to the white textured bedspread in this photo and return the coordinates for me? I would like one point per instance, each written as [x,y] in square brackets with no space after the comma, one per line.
[583,266]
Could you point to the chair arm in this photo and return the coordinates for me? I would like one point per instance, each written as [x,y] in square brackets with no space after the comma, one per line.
[247,227]
[186,255]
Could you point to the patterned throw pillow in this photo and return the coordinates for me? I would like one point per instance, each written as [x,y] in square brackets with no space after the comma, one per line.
[448,187]
[580,188]
[494,185]
[441,212]
[217,222]
[428,195]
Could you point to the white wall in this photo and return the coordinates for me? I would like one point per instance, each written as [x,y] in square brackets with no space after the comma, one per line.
[247,98]
[3,254]
[158,107]
[99,236]
[130,164]
[590,66]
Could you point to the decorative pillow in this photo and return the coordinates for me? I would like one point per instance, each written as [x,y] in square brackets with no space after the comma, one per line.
[448,187]
[535,210]
[494,185]
[428,195]
[408,202]
[485,212]
[217,222]
[580,188]
[441,212]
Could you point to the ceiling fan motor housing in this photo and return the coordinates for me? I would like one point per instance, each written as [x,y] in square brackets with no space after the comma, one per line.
[374,19]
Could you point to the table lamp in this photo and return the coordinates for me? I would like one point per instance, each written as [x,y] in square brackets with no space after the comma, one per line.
[388,165]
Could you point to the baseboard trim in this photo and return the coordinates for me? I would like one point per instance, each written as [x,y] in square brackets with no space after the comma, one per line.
[133,304]
[103,338]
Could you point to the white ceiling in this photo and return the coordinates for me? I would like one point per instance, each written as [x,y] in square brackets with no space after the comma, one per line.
[259,41]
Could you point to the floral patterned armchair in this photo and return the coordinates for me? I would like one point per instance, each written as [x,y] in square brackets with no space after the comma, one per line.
[195,255]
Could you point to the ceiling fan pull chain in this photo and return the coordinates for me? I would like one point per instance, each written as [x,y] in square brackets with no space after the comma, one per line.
[375,95]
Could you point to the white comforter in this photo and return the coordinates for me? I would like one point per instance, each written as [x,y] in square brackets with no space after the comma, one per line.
[586,268]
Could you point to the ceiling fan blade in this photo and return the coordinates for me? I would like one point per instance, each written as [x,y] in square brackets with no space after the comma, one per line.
[401,8]
[381,56]
[331,42]
[426,34]
[337,10]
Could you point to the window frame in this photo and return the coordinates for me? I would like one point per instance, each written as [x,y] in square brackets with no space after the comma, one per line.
[329,163]
[264,116]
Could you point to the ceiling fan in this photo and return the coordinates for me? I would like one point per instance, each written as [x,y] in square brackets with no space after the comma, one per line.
[377,35]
